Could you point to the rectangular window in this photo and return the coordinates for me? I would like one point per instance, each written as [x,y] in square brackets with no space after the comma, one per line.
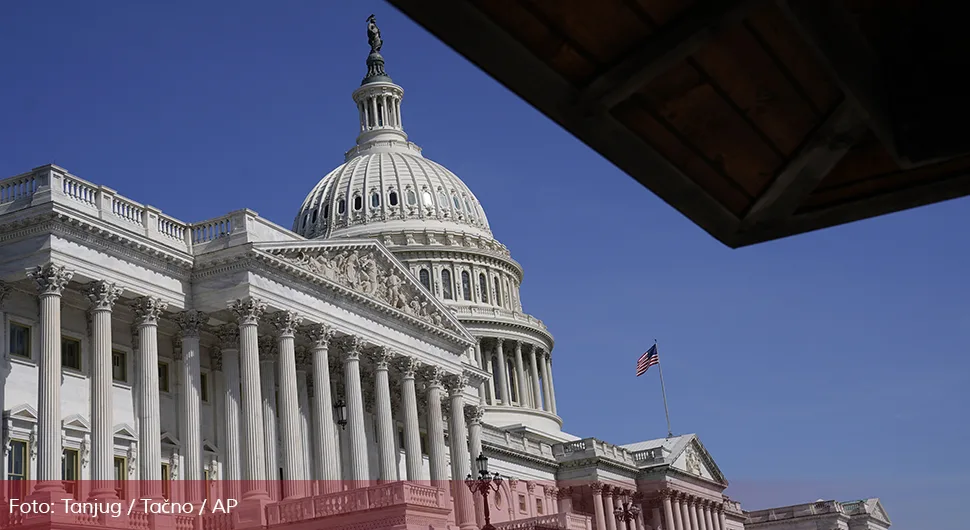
[19,340]
[163,377]
[71,353]
[424,444]
[119,366]
[204,387]
[121,475]
[538,506]
[17,469]
[522,505]
[70,472]
[166,482]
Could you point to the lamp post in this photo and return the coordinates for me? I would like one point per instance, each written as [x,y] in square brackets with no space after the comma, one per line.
[484,484]
[341,409]
[625,514]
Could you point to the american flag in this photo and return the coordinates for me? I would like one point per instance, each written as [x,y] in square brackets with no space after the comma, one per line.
[648,359]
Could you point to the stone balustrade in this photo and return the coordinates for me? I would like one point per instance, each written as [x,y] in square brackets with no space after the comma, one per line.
[516,441]
[345,502]
[589,447]
[498,313]
[564,521]
[792,512]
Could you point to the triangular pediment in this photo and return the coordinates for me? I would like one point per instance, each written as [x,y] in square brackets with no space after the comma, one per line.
[123,430]
[208,446]
[22,412]
[877,511]
[76,422]
[367,268]
[169,439]
[694,460]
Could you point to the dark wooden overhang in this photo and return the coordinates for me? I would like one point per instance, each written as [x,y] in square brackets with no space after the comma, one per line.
[755,119]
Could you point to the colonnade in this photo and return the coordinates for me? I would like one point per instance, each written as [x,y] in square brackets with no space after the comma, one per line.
[531,374]
[240,366]
[683,511]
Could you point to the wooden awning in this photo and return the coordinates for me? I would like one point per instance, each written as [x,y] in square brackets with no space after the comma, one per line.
[755,119]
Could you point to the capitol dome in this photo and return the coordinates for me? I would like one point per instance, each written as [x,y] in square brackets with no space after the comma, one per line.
[385,184]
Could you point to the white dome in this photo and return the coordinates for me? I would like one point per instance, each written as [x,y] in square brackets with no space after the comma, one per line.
[389,189]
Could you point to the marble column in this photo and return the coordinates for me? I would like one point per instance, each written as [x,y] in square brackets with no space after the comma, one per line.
[473,417]
[668,507]
[189,323]
[681,522]
[564,497]
[303,389]
[480,362]
[493,385]
[386,453]
[598,514]
[412,434]
[460,463]
[51,280]
[326,457]
[696,520]
[687,513]
[552,385]
[231,466]
[524,387]
[720,517]
[546,387]
[147,310]
[608,507]
[708,522]
[534,373]
[655,518]
[436,428]
[355,412]
[248,312]
[102,296]
[285,323]
[502,371]
[267,385]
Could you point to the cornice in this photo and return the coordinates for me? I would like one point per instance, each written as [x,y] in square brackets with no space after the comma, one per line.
[600,463]
[521,327]
[550,465]
[117,243]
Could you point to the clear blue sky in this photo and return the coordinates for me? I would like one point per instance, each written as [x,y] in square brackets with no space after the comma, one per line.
[829,365]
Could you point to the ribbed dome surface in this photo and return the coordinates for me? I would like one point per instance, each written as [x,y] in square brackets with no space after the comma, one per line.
[389,188]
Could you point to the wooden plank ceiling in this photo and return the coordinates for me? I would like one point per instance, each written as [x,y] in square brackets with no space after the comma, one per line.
[755,119]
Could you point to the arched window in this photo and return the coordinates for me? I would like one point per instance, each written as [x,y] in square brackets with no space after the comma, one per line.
[442,199]
[466,285]
[314,217]
[341,207]
[358,203]
[326,210]
[483,288]
[497,291]
[412,198]
[375,200]
[427,199]
[446,288]
[454,199]
[392,197]
[425,278]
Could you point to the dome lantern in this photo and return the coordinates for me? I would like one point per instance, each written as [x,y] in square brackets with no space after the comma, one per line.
[378,99]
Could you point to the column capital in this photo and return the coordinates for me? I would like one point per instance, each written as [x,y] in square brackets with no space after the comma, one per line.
[319,334]
[564,493]
[691,501]
[597,487]
[228,336]
[51,279]
[382,357]
[666,493]
[102,295]
[718,507]
[215,356]
[455,384]
[190,322]
[4,291]
[530,486]
[147,310]
[473,414]
[286,322]
[248,310]
[267,348]
[409,366]
[434,375]
[352,347]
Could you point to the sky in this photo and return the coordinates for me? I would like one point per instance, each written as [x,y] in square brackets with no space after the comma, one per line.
[830,365]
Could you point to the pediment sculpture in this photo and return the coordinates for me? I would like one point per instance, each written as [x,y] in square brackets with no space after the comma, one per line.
[372,275]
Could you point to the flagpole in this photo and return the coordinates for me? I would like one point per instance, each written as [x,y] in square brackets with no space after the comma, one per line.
[670,433]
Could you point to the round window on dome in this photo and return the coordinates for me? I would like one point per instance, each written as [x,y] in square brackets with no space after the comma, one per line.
[412,198]
[392,198]
[341,207]
[375,200]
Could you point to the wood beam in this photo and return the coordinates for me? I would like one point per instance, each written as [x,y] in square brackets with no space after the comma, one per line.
[836,40]
[946,188]
[803,173]
[671,44]
[480,40]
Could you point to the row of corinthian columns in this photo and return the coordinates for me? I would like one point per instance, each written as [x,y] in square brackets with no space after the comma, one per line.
[532,395]
[683,511]
[238,363]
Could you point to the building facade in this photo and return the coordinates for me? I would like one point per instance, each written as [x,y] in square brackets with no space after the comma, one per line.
[345,373]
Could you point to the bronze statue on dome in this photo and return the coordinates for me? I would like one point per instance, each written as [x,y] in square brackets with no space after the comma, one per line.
[373,35]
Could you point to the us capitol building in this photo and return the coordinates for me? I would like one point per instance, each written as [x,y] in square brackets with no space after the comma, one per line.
[366,357]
